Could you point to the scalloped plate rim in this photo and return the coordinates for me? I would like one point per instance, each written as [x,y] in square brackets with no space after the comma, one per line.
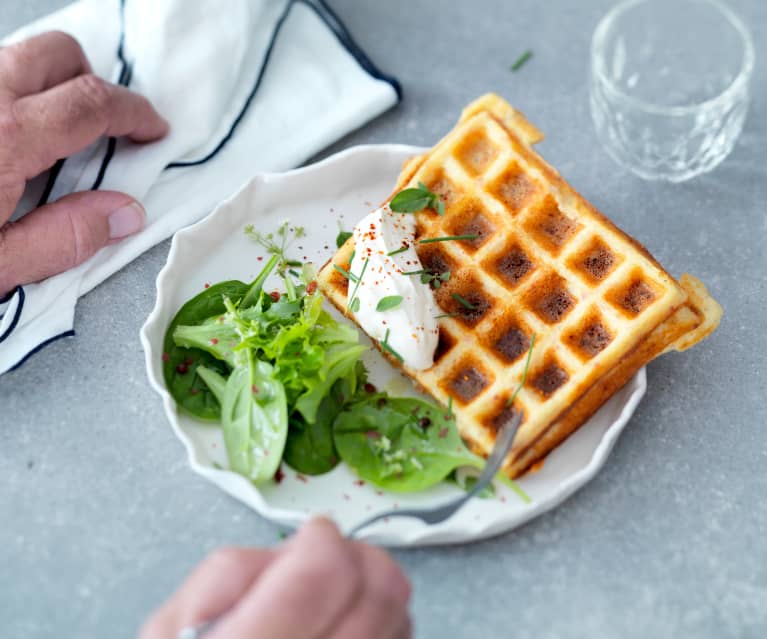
[242,490]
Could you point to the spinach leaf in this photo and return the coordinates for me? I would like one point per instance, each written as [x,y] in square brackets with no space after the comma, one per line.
[180,363]
[254,417]
[400,444]
[310,448]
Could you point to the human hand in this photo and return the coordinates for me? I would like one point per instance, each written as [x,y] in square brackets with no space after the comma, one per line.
[52,106]
[315,585]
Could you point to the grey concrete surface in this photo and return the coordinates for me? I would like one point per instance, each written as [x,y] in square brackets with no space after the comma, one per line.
[100,518]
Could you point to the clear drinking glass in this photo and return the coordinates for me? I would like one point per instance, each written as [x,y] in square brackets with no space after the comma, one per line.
[670,85]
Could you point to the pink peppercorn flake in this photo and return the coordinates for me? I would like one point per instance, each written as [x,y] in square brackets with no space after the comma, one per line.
[443,433]
[275,295]
[165,357]
[182,368]
[279,475]
[214,340]
[302,478]
[207,284]
[373,434]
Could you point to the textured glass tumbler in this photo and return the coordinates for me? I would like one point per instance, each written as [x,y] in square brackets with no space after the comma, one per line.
[670,85]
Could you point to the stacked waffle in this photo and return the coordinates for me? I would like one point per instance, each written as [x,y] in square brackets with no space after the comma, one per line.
[542,262]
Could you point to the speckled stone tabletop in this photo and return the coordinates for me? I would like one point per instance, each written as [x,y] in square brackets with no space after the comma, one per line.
[100,517]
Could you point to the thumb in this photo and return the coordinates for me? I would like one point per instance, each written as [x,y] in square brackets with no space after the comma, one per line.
[63,234]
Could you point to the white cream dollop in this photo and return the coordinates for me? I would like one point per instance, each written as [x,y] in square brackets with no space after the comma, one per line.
[411,326]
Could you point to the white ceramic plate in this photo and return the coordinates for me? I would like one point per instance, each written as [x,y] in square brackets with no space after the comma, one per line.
[344,188]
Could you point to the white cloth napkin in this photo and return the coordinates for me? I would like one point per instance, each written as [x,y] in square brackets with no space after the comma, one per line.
[247,85]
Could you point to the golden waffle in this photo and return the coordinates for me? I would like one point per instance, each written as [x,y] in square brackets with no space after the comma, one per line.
[545,262]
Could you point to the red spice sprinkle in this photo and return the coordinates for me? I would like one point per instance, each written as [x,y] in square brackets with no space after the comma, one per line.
[165,357]
[194,391]
[259,258]
[182,368]
[214,340]
[188,361]
[311,287]
[359,482]
[369,388]
[502,499]
[254,388]
[279,475]
[207,284]
[302,478]
[443,433]
[379,492]
[373,434]
[275,295]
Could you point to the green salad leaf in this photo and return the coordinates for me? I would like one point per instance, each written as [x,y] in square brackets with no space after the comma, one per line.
[254,418]
[181,360]
[400,444]
[310,448]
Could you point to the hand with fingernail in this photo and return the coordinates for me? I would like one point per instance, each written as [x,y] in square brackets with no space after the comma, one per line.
[316,585]
[51,107]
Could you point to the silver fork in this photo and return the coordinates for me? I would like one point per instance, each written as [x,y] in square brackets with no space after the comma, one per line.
[503,441]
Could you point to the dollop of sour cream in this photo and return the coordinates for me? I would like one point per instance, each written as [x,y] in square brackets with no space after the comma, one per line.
[411,326]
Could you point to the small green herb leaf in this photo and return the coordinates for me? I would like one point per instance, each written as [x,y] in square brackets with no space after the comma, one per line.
[524,372]
[355,305]
[401,249]
[448,238]
[389,302]
[463,301]
[342,237]
[345,273]
[353,298]
[385,345]
[521,60]
[416,199]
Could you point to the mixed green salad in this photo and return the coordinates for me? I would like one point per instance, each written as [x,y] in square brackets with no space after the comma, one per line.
[285,381]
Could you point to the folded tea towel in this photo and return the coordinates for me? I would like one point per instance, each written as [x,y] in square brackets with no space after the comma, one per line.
[247,86]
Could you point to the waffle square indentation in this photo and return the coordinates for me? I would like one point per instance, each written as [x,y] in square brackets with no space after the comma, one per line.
[467,381]
[440,184]
[633,297]
[550,299]
[475,152]
[595,262]
[499,415]
[549,226]
[514,188]
[590,337]
[508,339]
[550,378]
[464,298]
[434,259]
[445,342]
[511,265]
[470,220]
